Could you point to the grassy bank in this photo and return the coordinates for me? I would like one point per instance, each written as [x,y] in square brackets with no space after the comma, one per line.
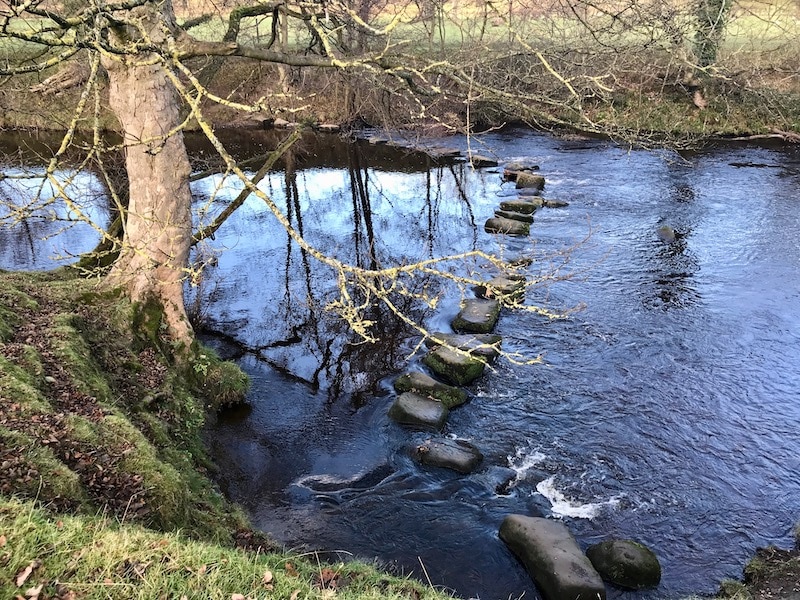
[106,491]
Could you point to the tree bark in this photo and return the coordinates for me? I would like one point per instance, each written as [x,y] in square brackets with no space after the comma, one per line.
[158,228]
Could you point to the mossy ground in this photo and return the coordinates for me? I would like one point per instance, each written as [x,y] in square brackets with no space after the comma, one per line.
[105,489]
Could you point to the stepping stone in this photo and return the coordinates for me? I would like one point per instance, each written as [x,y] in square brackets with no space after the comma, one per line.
[425,385]
[524,179]
[556,203]
[516,216]
[553,558]
[509,289]
[485,346]
[454,366]
[479,161]
[477,316]
[520,165]
[526,205]
[625,563]
[457,455]
[507,226]
[418,411]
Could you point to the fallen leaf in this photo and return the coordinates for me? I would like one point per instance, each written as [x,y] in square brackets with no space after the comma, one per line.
[237,597]
[33,593]
[268,577]
[59,525]
[2,541]
[202,570]
[291,571]
[22,576]
[294,595]
[327,578]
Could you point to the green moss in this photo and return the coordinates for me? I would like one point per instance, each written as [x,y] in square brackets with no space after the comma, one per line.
[735,590]
[38,473]
[220,383]
[76,356]
[20,386]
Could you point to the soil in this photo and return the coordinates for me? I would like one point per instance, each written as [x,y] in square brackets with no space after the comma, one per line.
[774,574]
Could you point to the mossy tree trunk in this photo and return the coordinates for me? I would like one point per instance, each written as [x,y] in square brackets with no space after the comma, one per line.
[158,228]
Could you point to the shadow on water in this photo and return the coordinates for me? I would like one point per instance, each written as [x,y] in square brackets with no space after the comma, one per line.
[665,411]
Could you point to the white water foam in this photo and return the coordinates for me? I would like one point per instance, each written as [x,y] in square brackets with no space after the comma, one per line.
[524,460]
[564,507]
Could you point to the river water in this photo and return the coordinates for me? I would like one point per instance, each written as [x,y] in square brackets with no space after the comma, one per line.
[666,409]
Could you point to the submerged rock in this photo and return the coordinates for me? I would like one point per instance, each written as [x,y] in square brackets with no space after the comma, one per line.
[667,234]
[454,366]
[478,315]
[457,455]
[499,480]
[425,385]
[553,558]
[507,226]
[481,345]
[418,411]
[625,563]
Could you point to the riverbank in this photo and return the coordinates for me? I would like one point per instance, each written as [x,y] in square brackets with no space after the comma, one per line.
[659,115]
[106,490]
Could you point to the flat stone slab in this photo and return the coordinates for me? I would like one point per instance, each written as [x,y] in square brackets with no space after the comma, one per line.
[454,366]
[553,558]
[506,226]
[526,205]
[625,563]
[425,385]
[507,214]
[509,289]
[485,346]
[477,315]
[457,455]
[418,411]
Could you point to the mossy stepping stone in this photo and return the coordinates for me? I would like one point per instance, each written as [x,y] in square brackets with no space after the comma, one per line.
[508,214]
[625,563]
[485,346]
[418,411]
[510,289]
[425,385]
[479,161]
[506,226]
[477,315]
[526,206]
[556,203]
[527,180]
[454,366]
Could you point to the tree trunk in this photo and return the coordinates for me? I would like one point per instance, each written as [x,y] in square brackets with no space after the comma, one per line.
[158,229]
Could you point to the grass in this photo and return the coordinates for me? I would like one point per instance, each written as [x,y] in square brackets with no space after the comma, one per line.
[96,557]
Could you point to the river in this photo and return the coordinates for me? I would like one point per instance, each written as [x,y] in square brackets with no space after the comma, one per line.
[666,407]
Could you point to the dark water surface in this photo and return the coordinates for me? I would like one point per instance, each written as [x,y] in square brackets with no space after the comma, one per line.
[667,410]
